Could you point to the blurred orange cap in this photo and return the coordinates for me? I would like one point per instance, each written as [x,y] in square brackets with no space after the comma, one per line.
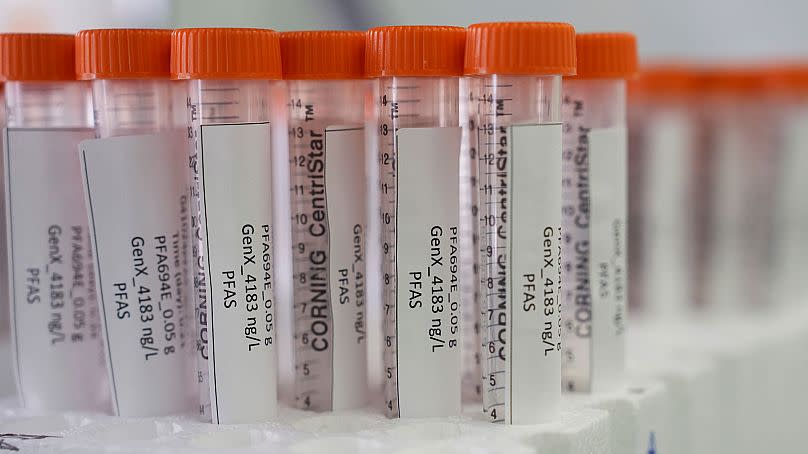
[37,57]
[124,53]
[666,79]
[414,50]
[225,53]
[520,48]
[606,55]
[790,78]
[323,55]
[737,80]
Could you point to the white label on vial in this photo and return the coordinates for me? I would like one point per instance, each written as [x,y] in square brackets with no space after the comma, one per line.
[345,189]
[58,350]
[427,303]
[534,323]
[136,189]
[608,186]
[236,192]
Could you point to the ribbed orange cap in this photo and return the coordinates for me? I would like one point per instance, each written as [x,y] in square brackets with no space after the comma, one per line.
[521,48]
[37,57]
[225,53]
[414,50]
[323,55]
[606,55]
[123,53]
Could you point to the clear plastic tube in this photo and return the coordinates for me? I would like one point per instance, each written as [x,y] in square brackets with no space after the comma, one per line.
[518,131]
[132,107]
[326,143]
[743,167]
[470,250]
[791,218]
[141,244]
[58,349]
[4,299]
[669,229]
[594,214]
[233,272]
[422,362]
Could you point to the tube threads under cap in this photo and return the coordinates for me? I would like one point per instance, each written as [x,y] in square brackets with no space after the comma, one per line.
[416,50]
[225,53]
[323,54]
[520,48]
[606,55]
[37,57]
[124,53]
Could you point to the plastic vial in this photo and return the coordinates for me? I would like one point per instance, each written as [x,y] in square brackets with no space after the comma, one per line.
[470,323]
[791,218]
[324,73]
[743,175]
[517,69]
[595,212]
[666,189]
[228,73]
[137,194]
[4,296]
[417,69]
[58,352]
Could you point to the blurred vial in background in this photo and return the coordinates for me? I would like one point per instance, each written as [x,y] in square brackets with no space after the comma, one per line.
[664,187]
[4,327]
[790,220]
[742,151]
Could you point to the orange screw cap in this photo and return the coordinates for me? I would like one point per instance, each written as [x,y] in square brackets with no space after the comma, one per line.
[414,50]
[225,53]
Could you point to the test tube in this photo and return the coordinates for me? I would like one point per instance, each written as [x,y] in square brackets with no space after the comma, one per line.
[470,247]
[324,73]
[4,297]
[417,69]
[742,165]
[595,212]
[664,188]
[228,73]
[791,218]
[58,352]
[516,69]
[136,190]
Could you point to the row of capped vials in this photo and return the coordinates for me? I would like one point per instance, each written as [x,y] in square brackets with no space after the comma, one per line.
[140,222]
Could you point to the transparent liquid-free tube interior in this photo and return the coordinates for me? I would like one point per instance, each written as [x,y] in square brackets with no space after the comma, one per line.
[48,105]
[234,270]
[419,145]
[131,107]
[58,349]
[595,233]
[470,249]
[518,140]
[326,147]
[137,193]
